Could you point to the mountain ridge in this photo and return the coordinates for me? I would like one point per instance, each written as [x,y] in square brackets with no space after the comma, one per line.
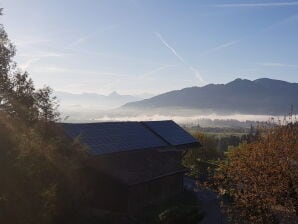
[260,96]
[112,100]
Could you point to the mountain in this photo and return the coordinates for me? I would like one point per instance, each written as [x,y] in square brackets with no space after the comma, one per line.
[261,96]
[93,100]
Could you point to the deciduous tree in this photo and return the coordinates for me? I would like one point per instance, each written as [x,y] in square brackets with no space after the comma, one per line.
[262,177]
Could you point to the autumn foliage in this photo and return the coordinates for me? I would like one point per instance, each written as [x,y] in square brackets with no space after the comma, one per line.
[261,177]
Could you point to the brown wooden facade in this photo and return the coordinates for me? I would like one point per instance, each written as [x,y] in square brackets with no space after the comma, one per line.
[132,184]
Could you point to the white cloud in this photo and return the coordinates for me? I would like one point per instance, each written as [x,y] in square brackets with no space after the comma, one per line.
[55,69]
[264,4]
[24,66]
[274,64]
[30,41]
[31,58]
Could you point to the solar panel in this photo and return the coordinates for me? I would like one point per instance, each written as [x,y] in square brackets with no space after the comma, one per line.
[111,137]
[171,132]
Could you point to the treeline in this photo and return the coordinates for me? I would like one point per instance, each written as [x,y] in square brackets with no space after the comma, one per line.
[39,167]
[221,123]
[215,145]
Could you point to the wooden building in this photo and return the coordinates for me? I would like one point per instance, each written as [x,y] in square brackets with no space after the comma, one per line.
[132,164]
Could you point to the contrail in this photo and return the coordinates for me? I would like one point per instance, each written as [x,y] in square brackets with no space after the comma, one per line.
[197,74]
[225,45]
[180,58]
[146,74]
[170,47]
[220,47]
[78,41]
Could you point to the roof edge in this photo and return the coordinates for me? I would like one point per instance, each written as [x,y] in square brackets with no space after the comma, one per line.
[182,170]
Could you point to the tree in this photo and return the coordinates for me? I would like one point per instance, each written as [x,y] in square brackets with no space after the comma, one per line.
[262,177]
[7,52]
[47,104]
[39,166]
[18,96]
[206,152]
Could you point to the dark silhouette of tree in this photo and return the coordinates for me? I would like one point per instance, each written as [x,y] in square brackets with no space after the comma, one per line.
[39,166]
[18,96]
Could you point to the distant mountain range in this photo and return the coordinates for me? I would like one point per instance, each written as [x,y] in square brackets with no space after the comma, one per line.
[242,96]
[93,100]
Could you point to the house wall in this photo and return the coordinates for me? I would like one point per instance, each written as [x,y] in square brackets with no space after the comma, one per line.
[115,192]
[105,192]
[155,191]
[109,194]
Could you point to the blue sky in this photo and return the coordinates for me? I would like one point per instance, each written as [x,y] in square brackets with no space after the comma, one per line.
[152,46]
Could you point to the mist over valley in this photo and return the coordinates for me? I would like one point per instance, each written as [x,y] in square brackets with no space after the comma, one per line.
[241,100]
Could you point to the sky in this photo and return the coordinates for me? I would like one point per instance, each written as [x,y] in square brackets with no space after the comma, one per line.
[152,46]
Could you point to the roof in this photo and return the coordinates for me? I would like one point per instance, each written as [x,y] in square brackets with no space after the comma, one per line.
[110,137]
[170,132]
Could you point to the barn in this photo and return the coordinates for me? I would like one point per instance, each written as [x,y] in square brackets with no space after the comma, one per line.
[132,164]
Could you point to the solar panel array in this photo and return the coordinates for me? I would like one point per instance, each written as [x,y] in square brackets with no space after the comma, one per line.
[171,132]
[109,137]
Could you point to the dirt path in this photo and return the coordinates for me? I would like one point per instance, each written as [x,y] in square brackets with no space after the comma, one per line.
[209,202]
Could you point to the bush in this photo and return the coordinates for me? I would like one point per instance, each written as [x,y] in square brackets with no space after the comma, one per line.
[180,214]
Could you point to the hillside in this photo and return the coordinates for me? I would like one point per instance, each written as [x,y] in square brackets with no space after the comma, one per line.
[261,96]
